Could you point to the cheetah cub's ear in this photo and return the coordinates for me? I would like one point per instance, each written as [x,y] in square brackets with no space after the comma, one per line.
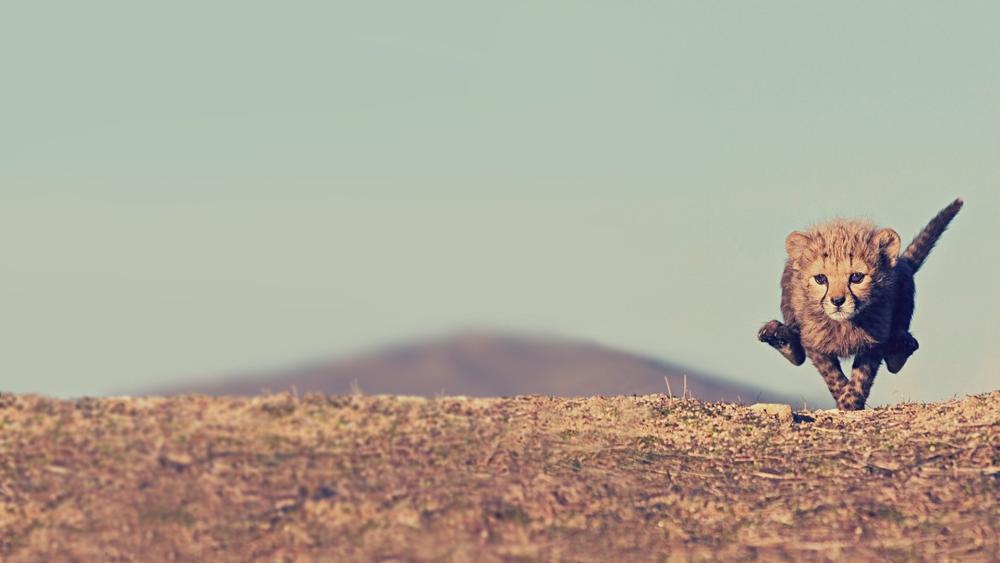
[888,243]
[796,244]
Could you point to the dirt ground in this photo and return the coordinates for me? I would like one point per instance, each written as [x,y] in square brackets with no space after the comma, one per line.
[336,478]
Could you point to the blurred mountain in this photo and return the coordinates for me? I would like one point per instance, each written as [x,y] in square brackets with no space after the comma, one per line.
[486,364]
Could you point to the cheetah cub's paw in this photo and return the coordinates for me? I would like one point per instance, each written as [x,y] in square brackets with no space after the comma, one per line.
[899,349]
[784,340]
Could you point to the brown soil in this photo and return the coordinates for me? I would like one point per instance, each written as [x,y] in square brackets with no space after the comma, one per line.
[370,478]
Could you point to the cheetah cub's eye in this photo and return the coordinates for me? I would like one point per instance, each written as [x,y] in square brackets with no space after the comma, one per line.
[820,279]
[856,277]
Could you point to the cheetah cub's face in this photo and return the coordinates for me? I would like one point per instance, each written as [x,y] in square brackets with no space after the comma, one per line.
[840,287]
[840,264]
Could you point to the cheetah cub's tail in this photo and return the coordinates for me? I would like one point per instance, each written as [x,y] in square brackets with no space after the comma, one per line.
[921,246]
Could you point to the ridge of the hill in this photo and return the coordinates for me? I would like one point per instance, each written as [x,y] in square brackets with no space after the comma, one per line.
[484,363]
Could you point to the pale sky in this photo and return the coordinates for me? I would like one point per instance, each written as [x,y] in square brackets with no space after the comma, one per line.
[193,189]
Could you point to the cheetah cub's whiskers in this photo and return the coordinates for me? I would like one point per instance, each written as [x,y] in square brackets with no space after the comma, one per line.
[847,291]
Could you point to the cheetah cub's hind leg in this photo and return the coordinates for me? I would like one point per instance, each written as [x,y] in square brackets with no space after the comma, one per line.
[783,339]
[898,350]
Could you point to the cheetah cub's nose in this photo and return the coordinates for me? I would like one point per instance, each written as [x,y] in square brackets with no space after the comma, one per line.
[838,301]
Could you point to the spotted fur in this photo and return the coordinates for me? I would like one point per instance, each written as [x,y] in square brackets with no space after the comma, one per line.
[848,291]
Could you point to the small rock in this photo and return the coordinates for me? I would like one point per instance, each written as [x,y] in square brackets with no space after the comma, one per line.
[408,517]
[783,412]
[176,460]
[884,462]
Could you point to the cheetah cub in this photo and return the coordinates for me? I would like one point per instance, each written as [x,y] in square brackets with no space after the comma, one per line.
[847,291]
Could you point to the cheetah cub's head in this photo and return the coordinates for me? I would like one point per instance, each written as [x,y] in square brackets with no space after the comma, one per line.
[842,265]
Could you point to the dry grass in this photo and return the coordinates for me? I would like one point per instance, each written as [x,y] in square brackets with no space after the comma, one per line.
[360,478]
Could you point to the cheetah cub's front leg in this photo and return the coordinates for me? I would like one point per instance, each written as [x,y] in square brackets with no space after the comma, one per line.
[784,339]
[854,395]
